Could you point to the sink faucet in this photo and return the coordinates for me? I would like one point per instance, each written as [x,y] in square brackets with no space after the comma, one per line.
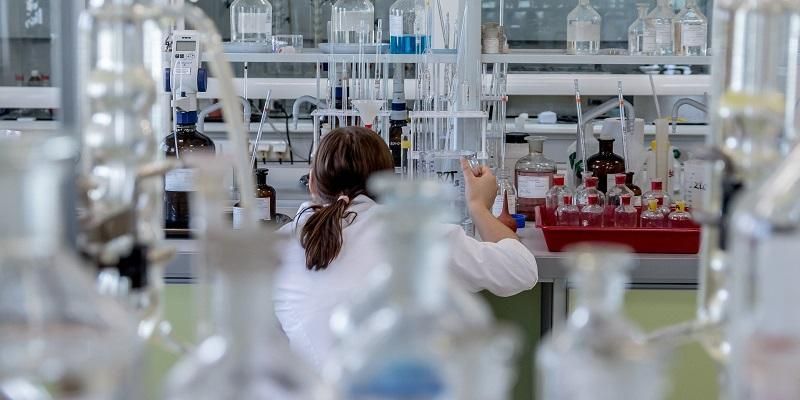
[305,99]
[685,102]
[612,104]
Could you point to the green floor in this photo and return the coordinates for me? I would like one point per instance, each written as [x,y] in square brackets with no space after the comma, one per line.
[692,373]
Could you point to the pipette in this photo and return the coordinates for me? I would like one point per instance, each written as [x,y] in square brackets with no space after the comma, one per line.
[260,126]
[581,137]
[622,124]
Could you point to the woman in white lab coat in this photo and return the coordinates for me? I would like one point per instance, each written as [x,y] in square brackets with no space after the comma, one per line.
[335,241]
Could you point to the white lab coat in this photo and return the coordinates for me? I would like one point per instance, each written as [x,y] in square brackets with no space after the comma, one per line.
[305,299]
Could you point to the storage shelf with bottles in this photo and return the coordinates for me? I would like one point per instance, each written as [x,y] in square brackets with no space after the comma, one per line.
[517,56]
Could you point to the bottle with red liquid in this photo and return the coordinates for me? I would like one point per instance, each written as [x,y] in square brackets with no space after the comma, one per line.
[652,217]
[568,214]
[555,195]
[656,192]
[533,177]
[589,188]
[592,213]
[680,218]
[625,215]
[605,164]
[614,196]
[663,208]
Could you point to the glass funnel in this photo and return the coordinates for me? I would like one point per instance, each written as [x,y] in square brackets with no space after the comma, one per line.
[413,339]
[246,356]
[55,329]
[598,354]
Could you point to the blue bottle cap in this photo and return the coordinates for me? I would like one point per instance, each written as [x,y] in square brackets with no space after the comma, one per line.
[186,117]
[520,220]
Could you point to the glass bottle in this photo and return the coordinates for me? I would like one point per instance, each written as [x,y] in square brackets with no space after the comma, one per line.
[652,217]
[410,25]
[56,330]
[555,195]
[592,213]
[598,353]
[352,21]
[266,200]
[625,214]
[244,355]
[397,118]
[589,187]
[605,164]
[663,208]
[691,30]
[641,39]
[661,20]
[402,357]
[178,183]
[680,218]
[505,188]
[656,192]
[637,192]
[568,214]
[583,29]
[533,177]
[614,195]
[251,21]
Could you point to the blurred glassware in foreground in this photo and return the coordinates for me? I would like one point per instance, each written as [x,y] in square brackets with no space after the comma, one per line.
[598,354]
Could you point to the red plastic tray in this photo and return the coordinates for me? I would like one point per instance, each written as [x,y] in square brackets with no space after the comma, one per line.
[641,240]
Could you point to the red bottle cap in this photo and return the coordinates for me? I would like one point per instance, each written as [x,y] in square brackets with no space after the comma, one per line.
[558,180]
[567,199]
[626,199]
[656,184]
[619,179]
[660,201]
[591,182]
[593,199]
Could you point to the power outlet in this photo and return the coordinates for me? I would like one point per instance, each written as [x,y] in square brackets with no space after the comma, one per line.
[272,150]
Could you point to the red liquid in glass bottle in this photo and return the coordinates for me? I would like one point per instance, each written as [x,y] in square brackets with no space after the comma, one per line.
[533,177]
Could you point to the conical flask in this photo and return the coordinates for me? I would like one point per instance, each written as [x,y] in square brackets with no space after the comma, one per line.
[246,356]
[55,329]
[406,342]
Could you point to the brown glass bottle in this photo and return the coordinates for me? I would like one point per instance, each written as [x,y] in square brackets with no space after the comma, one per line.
[605,164]
[636,201]
[266,200]
[179,182]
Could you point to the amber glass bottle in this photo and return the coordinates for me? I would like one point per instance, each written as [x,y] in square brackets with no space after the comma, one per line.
[179,182]
[636,201]
[605,164]
[265,196]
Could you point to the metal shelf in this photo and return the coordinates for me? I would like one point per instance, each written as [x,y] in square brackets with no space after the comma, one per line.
[527,56]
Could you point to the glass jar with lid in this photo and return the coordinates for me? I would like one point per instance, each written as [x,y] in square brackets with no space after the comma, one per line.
[352,21]
[251,21]
[533,177]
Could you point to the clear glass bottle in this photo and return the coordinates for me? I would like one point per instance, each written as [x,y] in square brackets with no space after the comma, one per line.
[504,188]
[583,29]
[652,217]
[614,195]
[680,218]
[555,195]
[402,356]
[589,187]
[568,214]
[663,208]
[352,21]
[656,192]
[55,329]
[641,39]
[661,21]
[533,177]
[605,164]
[245,355]
[410,26]
[691,30]
[625,215]
[251,21]
[592,213]
[178,183]
[598,353]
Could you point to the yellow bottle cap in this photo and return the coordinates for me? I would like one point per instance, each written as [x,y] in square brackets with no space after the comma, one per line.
[652,204]
[653,145]
[680,205]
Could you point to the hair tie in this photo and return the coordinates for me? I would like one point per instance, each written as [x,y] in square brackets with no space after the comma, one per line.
[345,198]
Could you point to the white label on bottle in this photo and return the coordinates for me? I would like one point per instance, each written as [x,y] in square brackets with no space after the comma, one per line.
[179,180]
[255,23]
[636,201]
[693,35]
[532,187]
[497,207]
[262,209]
[649,42]
[663,34]
[396,25]
[586,31]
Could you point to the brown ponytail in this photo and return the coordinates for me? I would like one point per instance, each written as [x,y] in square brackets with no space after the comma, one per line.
[345,159]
